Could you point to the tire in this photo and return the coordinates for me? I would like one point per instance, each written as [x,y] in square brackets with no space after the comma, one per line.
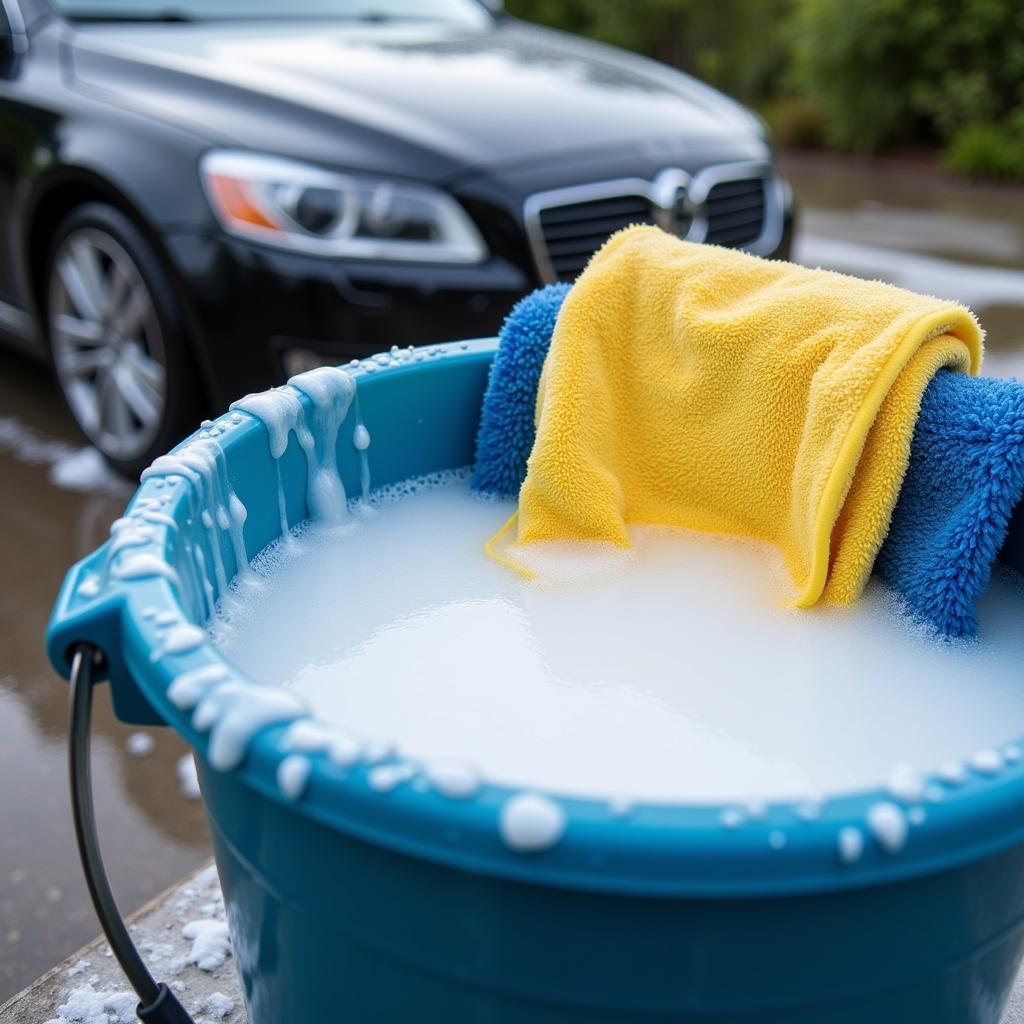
[117,340]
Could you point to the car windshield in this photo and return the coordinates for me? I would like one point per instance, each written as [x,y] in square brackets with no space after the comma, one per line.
[462,11]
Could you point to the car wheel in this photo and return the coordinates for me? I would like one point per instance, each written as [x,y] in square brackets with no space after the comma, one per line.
[119,351]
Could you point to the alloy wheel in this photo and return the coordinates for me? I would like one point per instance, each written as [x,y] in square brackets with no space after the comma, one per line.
[107,344]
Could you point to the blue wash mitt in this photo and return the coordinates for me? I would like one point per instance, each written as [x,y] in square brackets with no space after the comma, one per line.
[505,437]
[965,476]
[956,507]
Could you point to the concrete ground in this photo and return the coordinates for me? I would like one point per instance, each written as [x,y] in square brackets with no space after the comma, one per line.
[182,936]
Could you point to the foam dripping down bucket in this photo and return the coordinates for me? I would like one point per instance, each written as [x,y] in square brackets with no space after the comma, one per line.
[347,902]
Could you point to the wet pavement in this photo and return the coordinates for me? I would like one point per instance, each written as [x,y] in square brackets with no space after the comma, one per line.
[920,231]
[152,835]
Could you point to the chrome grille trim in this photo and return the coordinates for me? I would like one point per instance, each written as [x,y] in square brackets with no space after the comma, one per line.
[659,196]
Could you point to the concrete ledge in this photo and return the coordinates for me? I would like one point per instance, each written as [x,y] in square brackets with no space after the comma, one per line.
[182,935]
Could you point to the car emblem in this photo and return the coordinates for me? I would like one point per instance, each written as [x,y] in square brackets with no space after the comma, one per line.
[672,206]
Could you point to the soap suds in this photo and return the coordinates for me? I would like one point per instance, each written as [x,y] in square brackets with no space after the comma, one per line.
[906,784]
[71,468]
[188,778]
[454,779]
[851,844]
[987,762]
[888,825]
[531,822]
[693,685]
[86,1005]
[140,744]
[330,392]
[215,1006]
[292,775]
[211,943]
[188,689]
[180,639]
[383,778]
[235,712]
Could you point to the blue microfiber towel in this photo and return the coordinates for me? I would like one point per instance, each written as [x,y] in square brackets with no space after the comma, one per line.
[965,477]
[505,437]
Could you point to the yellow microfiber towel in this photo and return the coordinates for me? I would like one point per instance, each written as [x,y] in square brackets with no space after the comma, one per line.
[699,387]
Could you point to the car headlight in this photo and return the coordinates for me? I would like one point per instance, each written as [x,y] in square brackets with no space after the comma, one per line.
[296,206]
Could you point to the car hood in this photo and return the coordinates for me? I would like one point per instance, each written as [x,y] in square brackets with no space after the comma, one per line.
[437,99]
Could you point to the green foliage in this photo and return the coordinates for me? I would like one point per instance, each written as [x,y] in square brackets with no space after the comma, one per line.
[897,71]
[859,75]
[986,150]
[737,45]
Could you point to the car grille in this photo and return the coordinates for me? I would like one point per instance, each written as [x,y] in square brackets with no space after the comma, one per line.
[735,212]
[573,233]
[566,234]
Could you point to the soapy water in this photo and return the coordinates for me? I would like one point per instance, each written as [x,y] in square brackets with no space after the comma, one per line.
[667,673]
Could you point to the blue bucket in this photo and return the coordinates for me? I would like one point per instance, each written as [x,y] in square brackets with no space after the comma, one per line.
[346,902]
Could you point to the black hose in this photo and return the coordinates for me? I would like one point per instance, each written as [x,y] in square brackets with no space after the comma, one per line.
[158,1004]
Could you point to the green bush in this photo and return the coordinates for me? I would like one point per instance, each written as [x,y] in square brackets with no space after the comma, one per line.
[897,71]
[986,150]
[736,45]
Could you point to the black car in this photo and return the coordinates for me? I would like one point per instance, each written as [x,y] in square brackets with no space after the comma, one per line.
[201,197]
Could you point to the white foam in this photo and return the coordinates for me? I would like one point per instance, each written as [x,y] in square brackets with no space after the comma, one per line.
[361,442]
[214,505]
[987,762]
[235,712]
[281,410]
[850,844]
[215,1006]
[188,778]
[530,822]
[454,779]
[906,784]
[888,824]
[85,470]
[179,639]
[85,1005]
[143,566]
[293,774]
[74,469]
[189,688]
[675,678]
[211,943]
[385,777]
[140,744]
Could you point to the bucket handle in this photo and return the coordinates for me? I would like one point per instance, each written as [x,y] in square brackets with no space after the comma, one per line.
[157,1003]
